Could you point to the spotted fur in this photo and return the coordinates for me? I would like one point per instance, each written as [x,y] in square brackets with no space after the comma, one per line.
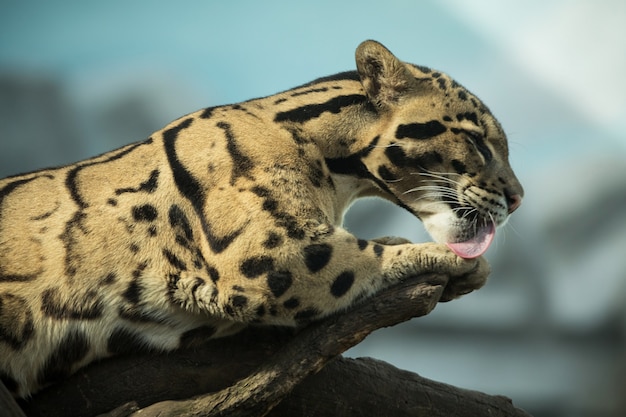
[232,216]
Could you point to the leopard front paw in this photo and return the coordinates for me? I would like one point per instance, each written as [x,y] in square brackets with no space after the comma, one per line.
[467,282]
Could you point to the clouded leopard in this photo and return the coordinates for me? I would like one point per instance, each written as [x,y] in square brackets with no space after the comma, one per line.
[232,216]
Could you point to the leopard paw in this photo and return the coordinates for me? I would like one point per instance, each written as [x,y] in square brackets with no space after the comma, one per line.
[467,282]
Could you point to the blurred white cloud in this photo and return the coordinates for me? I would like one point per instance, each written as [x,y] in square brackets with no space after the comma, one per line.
[575,48]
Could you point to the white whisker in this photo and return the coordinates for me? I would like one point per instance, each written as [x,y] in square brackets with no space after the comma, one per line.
[387,146]
[509,225]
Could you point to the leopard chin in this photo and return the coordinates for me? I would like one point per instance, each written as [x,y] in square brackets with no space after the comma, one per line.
[466,237]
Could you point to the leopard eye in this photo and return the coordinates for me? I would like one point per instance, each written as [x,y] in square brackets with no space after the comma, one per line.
[479,143]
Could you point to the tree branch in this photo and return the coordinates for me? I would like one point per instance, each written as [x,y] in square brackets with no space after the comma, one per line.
[8,406]
[250,373]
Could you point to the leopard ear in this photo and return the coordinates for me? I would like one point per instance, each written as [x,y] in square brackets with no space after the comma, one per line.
[384,77]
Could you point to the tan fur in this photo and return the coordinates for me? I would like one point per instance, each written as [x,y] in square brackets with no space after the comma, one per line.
[232,215]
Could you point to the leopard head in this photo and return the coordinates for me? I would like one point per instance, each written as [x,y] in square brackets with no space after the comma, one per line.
[439,151]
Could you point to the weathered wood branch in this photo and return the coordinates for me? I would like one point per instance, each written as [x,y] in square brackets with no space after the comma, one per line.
[8,406]
[250,373]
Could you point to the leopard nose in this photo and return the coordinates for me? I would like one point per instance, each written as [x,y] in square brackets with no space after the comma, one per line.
[514,201]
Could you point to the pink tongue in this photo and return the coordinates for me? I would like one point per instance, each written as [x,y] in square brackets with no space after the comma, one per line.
[477,245]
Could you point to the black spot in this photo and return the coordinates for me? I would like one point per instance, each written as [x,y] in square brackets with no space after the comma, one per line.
[459,166]
[370,147]
[108,279]
[290,224]
[362,244]
[145,213]
[134,248]
[316,175]
[208,112]
[317,256]
[353,164]
[112,202]
[269,204]
[254,267]
[472,117]
[88,306]
[178,220]
[420,130]
[279,282]
[442,83]
[199,261]
[174,260]
[260,311]
[125,341]
[309,91]
[298,138]
[311,111]
[185,244]
[16,321]
[72,232]
[219,244]
[330,182]
[73,348]
[385,174]
[397,156]
[422,161]
[378,250]
[447,118]
[282,218]
[462,95]
[239,301]
[342,284]
[242,164]
[149,186]
[152,231]
[291,303]
[133,292]
[273,240]
[185,181]
[261,191]
[213,273]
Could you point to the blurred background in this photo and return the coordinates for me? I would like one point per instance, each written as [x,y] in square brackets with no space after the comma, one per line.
[79,78]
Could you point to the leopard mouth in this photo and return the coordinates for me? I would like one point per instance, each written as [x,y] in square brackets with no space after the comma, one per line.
[477,245]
